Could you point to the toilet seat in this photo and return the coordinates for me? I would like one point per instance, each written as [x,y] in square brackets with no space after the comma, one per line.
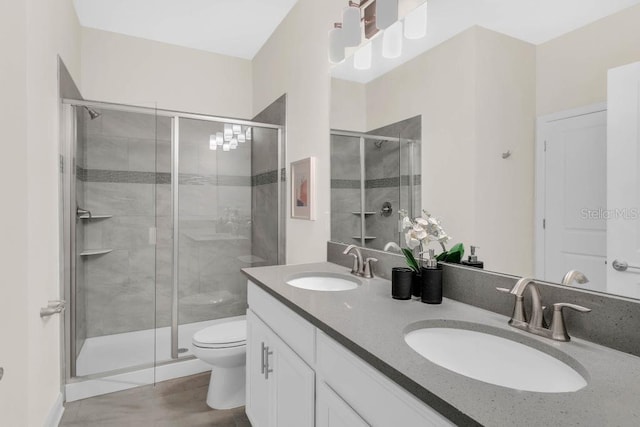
[222,335]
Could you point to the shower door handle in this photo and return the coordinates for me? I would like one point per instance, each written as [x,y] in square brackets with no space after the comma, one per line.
[52,308]
[262,366]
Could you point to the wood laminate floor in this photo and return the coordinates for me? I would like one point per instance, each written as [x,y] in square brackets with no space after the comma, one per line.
[179,403]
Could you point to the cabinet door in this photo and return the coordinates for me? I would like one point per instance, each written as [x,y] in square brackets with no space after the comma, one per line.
[333,411]
[258,395]
[293,383]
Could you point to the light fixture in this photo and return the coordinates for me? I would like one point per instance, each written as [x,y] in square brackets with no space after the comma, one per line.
[228,132]
[392,41]
[415,23]
[233,144]
[362,57]
[372,17]
[237,129]
[213,144]
[225,147]
[219,138]
[248,134]
[386,13]
[336,43]
[351,32]
[241,138]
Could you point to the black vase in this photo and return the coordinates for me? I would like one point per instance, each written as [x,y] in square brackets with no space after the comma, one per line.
[431,285]
[401,282]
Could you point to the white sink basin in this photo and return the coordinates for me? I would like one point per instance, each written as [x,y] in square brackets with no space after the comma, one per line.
[495,360]
[326,282]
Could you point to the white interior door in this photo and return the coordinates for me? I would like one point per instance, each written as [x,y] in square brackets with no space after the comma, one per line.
[623,191]
[575,197]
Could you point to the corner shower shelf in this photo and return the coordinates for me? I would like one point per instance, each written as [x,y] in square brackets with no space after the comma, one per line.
[95,216]
[365,237]
[95,252]
[366,213]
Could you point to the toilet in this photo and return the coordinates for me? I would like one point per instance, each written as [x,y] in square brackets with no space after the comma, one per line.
[223,346]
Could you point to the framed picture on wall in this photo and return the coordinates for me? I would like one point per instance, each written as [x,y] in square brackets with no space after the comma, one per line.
[303,203]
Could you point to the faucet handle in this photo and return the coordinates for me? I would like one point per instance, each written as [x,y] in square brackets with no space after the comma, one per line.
[504,290]
[368,271]
[558,327]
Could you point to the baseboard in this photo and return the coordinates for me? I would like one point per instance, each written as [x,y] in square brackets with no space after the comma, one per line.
[55,413]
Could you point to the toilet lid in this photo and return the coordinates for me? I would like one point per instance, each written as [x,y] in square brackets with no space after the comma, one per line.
[223,334]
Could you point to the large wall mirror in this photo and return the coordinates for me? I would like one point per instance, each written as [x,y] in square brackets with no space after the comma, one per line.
[529,131]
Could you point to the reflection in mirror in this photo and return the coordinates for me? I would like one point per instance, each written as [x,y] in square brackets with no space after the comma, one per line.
[492,79]
[373,176]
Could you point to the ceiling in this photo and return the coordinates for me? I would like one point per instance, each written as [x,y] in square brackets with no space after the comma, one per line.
[533,21]
[240,27]
[229,27]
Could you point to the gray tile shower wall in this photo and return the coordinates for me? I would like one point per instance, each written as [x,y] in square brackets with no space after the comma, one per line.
[214,221]
[120,158]
[264,176]
[124,171]
[613,321]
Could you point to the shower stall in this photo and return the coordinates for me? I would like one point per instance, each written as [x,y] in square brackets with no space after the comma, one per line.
[162,210]
[373,176]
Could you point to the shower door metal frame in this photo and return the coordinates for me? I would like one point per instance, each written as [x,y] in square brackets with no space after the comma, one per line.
[68,144]
[175,116]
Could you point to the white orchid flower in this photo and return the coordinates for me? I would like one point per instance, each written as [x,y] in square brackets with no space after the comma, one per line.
[423,222]
[406,223]
[412,243]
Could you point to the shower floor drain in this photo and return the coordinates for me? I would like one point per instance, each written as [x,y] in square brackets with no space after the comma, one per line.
[182,350]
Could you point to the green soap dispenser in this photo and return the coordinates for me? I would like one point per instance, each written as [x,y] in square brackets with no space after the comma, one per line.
[473,259]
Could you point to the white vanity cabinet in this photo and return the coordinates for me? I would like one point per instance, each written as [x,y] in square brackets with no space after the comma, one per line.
[332,411]
[280,385]
[298,376]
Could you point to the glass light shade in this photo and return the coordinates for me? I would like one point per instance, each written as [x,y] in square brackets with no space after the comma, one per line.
[242,138]
[228,132]
[248,134]
[336,45]
[351,31]
[392,41]
[362,57]
[386,13]
[237,129]
[233,144]
[415,23]
[213,144]
[219,138]
[225,147]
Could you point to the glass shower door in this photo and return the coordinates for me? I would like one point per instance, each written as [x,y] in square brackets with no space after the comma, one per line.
[226,205]
[114,288]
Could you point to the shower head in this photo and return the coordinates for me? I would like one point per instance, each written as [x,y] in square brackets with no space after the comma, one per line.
[93,114]
[379,143]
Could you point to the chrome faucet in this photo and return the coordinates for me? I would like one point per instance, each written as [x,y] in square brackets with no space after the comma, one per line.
[574,275]
[536,323]
[360,267]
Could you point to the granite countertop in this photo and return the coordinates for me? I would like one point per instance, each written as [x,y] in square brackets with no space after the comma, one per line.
[372,325]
